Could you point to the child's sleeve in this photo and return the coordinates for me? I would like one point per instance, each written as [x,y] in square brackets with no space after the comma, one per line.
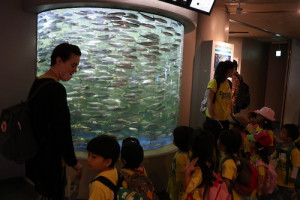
[295,158]
[212,84]
[196,180]
[181,163]
[229,169]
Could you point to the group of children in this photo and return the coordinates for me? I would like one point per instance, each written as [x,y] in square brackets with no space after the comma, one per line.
[131,182]
[202,155]
[208,151]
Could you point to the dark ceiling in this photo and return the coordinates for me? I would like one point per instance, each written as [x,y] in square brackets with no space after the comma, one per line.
[273,21]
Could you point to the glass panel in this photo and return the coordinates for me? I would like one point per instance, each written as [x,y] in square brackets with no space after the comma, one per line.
[128,80]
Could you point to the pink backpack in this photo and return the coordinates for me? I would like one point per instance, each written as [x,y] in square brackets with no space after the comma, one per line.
[218,191]
[270,179]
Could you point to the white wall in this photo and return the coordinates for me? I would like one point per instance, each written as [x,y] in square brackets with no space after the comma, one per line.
[292,102]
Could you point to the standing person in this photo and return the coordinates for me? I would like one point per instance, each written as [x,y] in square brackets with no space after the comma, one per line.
[133,173]
[238,123]
[265,118]
[103,153]
[181,136]
[287,163]
[267,177]
[198,174]
[219,94]
[50,116]
[235,85]
[229,144]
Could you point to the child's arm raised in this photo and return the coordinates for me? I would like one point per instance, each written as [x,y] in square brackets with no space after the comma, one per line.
[188,171]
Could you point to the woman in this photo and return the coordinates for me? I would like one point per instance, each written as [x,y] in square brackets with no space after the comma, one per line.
[219,94]
[50,116]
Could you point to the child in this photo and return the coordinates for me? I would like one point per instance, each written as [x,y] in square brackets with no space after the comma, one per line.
[266,185]
[229,144]
[181,136]
[215,128]
[133,173]
[103,153]
[199,173]
[288,162]
[252,125]
[238,123]
[265,117]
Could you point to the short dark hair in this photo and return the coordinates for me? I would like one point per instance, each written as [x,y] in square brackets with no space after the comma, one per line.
[202,147]
[232,141]
[130,139]
[222,69]
[235,64]
[214,127]
[292,131]
[64,51]
[181,136]
[132,153]
[106,146]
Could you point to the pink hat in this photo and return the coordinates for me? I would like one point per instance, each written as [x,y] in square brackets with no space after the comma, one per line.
[267,113]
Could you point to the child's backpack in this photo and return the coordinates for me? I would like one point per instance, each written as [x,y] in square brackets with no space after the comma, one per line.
[120,193]
[17,141]
[140,183]
[204,105]
[218,191]
[247,175]
[270,182]
[289,165]
[242,99]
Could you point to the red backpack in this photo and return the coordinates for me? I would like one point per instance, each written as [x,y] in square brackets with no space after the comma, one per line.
[247,175]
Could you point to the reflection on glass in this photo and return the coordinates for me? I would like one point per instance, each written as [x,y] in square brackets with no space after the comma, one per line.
[128,80]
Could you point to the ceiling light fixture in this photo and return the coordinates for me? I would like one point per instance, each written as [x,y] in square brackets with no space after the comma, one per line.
[239,10]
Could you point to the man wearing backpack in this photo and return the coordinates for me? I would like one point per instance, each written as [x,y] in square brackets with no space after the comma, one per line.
[50,118]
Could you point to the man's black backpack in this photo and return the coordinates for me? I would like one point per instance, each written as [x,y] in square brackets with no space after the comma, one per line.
[242,99]
[17,141]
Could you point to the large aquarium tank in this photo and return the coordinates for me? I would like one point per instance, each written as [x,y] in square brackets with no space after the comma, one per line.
[129,76]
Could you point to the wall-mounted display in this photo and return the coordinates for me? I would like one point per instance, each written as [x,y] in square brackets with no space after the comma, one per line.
[202,6]
[128,81]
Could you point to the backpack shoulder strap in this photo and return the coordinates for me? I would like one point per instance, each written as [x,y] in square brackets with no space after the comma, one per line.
[227,157]
[289,164]
[38,89]
[290,149]
[109,184]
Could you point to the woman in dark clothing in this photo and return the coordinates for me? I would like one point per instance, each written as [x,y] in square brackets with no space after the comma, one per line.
[50,116]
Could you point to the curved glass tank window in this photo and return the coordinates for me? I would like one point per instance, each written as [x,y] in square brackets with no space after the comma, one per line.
[129,77]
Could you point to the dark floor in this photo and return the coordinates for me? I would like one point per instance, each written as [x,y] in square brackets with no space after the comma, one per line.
[16,189]
[19,189]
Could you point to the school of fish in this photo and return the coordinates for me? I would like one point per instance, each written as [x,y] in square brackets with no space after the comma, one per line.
[129,76]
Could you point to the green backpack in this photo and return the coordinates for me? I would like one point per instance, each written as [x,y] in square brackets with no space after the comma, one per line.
[120,193]
[289,165]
